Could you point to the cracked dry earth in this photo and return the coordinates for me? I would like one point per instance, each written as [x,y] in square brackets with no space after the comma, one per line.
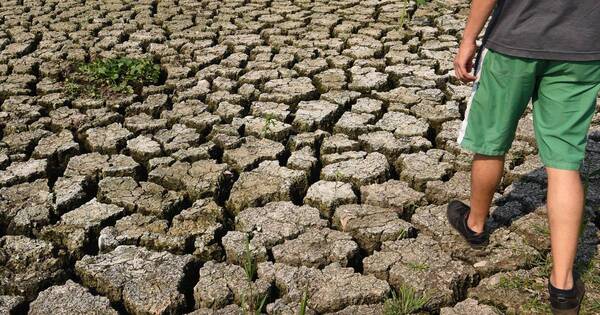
[322,131]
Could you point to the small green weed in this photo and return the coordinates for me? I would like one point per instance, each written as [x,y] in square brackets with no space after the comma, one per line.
[535,306]
[269,121]
[406,301]
[417,266]
[543,262]
[541,229]
[253,306]
[303,303]
[514,282]
[590,306]
[106,77]
[404,14]
[249,262]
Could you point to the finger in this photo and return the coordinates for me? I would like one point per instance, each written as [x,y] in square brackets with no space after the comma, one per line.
[469,77]
[457,71]
[464,73]
[467,74]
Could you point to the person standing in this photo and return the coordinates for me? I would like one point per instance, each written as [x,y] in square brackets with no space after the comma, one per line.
[547,52]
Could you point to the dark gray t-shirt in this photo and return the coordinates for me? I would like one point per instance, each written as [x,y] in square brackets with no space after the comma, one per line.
[546,29]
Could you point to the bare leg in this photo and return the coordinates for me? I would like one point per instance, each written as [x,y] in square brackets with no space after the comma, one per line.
[486,173]
[565,211]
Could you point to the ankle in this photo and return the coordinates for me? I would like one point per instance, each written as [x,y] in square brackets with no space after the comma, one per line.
[562,282]
[476,226]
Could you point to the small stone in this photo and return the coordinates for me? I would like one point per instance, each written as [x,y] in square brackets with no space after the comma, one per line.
[387,144]
[108,140]
[338,143]
[20,172]
[317,248]
[12,304]
[393,194]
[146,282]
[312,115]
[275,110]
[121,166]
[252,152]
[371,225]
[372,169]
[142,197]
[303,160]
[221,284]
[199,179]
[367,79]
[288,91]
[70,298]
[516,292]
[177,138]
[26,208]
[368,106]
[58,147]
[144,123]
[143,148]
[470,306]
[323,286]
[89,165]
[28,266]
[327,195]
[70,192]
[268,182]
[269,225]
[402,125]
[78,229]
[458,187]
[354,124]
[422,167]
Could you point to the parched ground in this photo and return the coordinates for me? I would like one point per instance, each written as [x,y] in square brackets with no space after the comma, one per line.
[314,138]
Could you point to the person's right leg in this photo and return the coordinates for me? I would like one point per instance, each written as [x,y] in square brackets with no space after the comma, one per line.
[565,211]
[564,105]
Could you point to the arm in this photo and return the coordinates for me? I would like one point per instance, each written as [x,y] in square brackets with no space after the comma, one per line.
[463,63]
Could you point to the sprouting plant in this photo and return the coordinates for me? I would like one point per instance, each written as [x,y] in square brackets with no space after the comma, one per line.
[249,261]
[252,305]
[417,266]
[303,303]
[338,176]
[405,301]
[269,121]
[541,229]
[404,15]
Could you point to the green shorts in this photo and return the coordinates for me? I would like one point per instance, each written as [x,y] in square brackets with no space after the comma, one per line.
[564,99]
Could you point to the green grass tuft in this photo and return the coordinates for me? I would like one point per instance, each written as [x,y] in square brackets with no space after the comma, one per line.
[406,301]
[249,261]
[417,266]
[107,77]
[303,303]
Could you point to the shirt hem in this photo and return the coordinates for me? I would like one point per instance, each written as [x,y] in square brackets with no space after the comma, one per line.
[546,55]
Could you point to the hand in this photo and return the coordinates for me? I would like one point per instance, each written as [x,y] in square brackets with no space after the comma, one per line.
[463,62]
